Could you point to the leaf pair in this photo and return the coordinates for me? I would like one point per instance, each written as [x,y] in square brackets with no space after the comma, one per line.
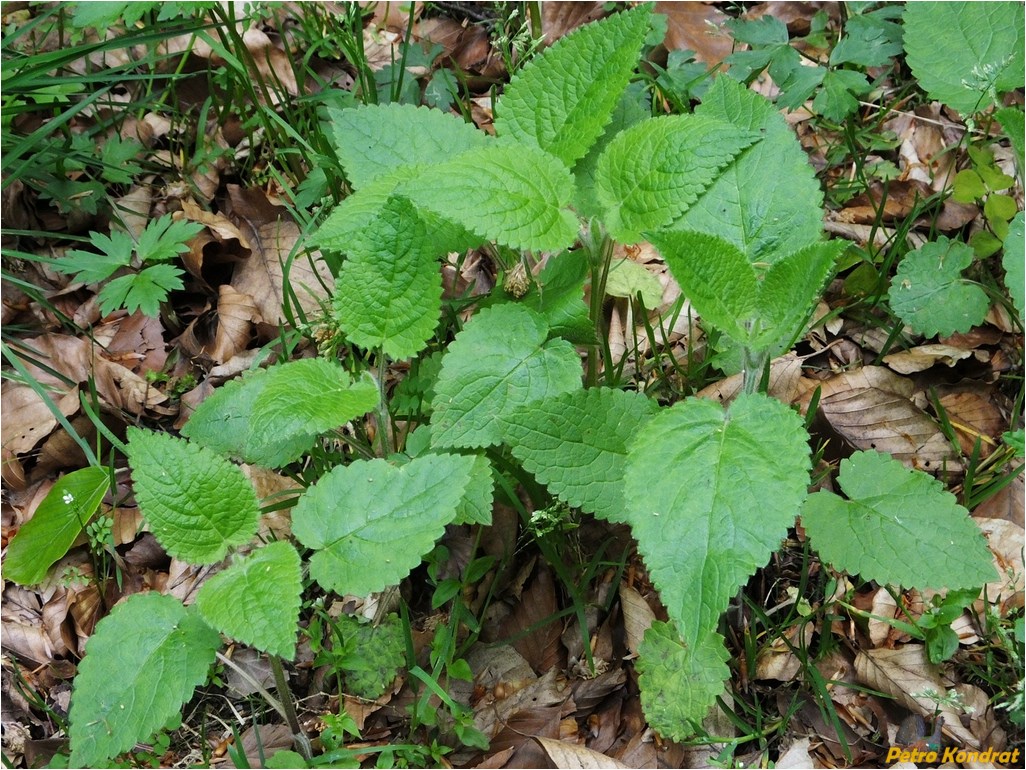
[471,187]
[759,306]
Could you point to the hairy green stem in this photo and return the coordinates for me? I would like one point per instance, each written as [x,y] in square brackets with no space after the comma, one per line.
[753,365]
[383,420]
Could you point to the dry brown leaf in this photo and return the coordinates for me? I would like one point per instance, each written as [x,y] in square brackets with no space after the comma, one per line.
[549,692]
[861,234]
[497,759]
[907,675]
[133,208]
[78,360]
[274,239]
[698,27]
[272,487]
[536,608]
[882,633]
[572,755]
[797,756]
[784,376]
[184,580]
[560,18]
[27,418]
[219,245]
[1008,503]
[864,377]
[639,751]
[974,416]
[273,65]
[1005,539]
[236,314]
[922,357]
[265,740]
[589,693]
[983,721]
[21,621]
[135,341]
[870,418]
[892,202]
[776,661]
[497,663]
[637,616]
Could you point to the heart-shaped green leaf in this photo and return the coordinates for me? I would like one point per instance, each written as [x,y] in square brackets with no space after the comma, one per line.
[499,362]
[142,663]
[898,526]
[197,503]
[370,522]
[710,495]
[256,599]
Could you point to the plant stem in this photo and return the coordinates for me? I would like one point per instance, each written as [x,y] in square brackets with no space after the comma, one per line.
[289,708]
[600,252]
[753,365]
[381,439]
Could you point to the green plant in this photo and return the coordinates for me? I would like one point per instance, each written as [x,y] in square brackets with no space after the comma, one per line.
[161,241]
[966,54]
[727,196]
[870,39]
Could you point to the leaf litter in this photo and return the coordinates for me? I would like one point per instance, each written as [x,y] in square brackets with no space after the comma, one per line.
[537,697]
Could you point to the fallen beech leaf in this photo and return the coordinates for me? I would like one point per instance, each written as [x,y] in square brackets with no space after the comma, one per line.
[561,18]
[274,67]
[871,418]
[79,360]
[974,416]
[236,314]
[1005,539]
[698,27]
[637,616]
[137,342]
[1008,503]
[572,755]
[221,244]
[784,376]
[797,756]
[906,675]
[983,721]
[268,739]
[535,610]
[133,208]
[865,377]
[22,623]
[27,418]
[922,357]
[275,242]
[776,661]
[493,714]
[881,633]
[898,199]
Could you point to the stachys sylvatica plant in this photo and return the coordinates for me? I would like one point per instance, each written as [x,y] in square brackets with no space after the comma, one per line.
[578,161]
